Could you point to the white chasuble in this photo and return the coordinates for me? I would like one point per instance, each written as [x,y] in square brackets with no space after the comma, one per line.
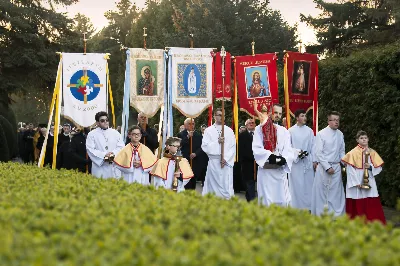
[99,142]
[301,177]
[328,191]
[219,181]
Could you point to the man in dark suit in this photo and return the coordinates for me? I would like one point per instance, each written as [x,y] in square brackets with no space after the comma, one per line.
[246,158]
[195,156]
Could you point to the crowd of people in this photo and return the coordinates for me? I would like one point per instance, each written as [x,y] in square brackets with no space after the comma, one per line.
[285,167]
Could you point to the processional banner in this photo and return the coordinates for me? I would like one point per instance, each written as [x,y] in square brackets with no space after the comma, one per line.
[301,84]
[84,84]
[146,79]
[221,93]
[191,79]
[256,80]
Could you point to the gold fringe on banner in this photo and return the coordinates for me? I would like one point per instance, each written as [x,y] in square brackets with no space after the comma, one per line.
[235,111]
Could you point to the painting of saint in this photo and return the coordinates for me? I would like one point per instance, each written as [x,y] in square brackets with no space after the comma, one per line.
[192,81]
[257,82]
[300,78]
[146,82]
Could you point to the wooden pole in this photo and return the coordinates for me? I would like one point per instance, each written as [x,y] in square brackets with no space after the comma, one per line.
[223,54]
[144,38]
[191,40]
[84,43]
[191,140]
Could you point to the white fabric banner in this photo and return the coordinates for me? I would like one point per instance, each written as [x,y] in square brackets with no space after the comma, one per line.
[146,79]
[84,87]
[191,84]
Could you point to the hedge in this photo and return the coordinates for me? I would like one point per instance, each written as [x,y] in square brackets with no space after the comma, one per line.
[4,150]
[11,136]
[50,217]
[365,89]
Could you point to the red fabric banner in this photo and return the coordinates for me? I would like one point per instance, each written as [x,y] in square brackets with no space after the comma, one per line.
[301,85]
[256,80]
[219,93]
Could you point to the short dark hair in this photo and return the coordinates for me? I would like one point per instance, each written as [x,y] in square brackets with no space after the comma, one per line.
[133,128]
[277,104]
[100,114]
[361,133]
[171,140]
[299,112]
[333,113]
[217,110]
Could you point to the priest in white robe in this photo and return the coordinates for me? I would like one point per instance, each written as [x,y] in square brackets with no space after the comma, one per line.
[274,155]
[219,175]
[102,144]
[328,191]
[362,198]
[301,177]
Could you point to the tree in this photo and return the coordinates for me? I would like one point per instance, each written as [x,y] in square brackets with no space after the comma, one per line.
[31,34]
[352,24]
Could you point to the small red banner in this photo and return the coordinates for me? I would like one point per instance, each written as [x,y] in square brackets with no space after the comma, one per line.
[256,80]
[301,85]
[219,93]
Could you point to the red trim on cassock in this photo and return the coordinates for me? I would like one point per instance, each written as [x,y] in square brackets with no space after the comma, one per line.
[370,208]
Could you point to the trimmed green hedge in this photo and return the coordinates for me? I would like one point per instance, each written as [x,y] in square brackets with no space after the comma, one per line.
[50,217]
[365,89]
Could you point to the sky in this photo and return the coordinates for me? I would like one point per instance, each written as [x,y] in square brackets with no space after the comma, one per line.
[290,10]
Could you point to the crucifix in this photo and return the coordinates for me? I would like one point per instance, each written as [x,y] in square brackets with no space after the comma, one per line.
[84,42]
[223,55]
[83,86]
[144,37]
[252,48]
[300,46]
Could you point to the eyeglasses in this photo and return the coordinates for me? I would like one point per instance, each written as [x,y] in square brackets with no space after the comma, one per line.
[136,134]
[103,120]
[218,115]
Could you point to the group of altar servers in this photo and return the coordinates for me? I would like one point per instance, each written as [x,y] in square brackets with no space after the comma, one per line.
[292,167]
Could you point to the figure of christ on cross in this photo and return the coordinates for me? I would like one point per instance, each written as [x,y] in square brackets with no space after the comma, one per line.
[82,85]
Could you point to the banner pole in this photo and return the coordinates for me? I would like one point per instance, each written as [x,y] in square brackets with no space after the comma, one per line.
[286,89]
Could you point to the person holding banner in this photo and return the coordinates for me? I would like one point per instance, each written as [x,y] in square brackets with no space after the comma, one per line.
[135,160]
[328,192]
[191,151]
[301,178]
[102,145]
[219,175]
[274,155]
[149,135]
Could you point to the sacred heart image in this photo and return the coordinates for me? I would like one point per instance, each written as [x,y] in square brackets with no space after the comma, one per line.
[301,77]
[146,73]
[257,84]
[192,80]
[85,85]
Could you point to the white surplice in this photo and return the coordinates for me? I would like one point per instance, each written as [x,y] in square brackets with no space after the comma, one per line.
[167,183]
[355,177]
[219,181]
[133,174]
[99,142]
[272,184]
[328,191]
[301,177]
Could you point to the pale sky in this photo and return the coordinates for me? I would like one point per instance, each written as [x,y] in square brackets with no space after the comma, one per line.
[290,10]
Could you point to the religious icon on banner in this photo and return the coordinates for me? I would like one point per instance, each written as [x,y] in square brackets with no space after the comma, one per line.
[147,73]
[84,85]
[257,81]
[192,80]
[301,77]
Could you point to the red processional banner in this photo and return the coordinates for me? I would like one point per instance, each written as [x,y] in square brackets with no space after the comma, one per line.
[256,79]
[219,92]
[301,84]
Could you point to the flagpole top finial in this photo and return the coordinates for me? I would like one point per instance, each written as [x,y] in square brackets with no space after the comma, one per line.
[223,52]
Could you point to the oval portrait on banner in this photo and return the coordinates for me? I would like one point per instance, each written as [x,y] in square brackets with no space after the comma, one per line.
[192,80]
